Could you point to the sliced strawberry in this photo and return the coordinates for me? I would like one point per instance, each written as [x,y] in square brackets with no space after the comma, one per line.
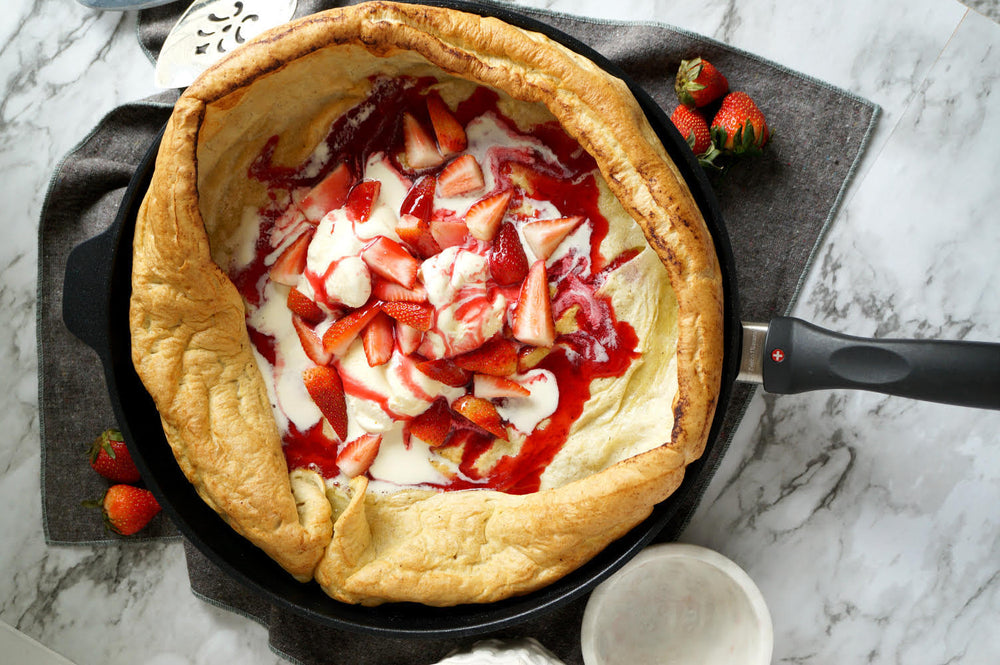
[338,337]
[327,391]
[491,387]
[545,235]
[433,425]
[378,340]
[485,215]
[391,260]
[498,357]
[449,232]
[328,195]
[417,315]
[290,263]
[450,134]
[420,149]
[508,262]
[461,176]
[408,338]
[361,200]
[528,357]
[311,342]
[532,320]
[416,235]
[419,201]
[482,412]
[356,457]
[445,371]
[304,307]
[383,289]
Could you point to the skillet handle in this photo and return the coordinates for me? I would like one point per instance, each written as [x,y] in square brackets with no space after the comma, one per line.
[799,356]
[85,290]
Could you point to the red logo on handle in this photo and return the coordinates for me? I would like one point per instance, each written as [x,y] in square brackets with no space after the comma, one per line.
[777,355]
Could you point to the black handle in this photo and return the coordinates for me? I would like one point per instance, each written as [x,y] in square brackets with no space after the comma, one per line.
[85,290]
[799,356]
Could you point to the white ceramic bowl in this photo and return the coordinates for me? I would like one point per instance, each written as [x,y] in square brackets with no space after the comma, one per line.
[677,603]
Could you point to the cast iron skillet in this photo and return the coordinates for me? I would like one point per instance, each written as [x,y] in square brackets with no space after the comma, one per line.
[95,308]
[786,355]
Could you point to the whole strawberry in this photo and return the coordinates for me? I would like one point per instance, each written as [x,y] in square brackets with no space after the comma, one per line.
[110,457]
[694,128]
[128,509]
[739,126]
[699,83]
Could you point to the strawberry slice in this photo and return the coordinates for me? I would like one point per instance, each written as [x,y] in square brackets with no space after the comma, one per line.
[391,260]
[416,235]
[338,337]
[419,148]
[545,235]
[445,371]
[327,391]
[461,176]
[328,195]
[450,134]
[433,425]
[485,215]
[417,315]
[383,289]
[378,340]
[449,232]
[408,338]
[491,387]
[361,200]
[508,262]
[292,262]
[482,412]
[419,201]
[304,307]
[532,320]
[357,456]
[311,342]
[498,357]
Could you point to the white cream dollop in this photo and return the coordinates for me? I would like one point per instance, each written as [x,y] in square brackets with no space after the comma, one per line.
[467,313]
[524,413]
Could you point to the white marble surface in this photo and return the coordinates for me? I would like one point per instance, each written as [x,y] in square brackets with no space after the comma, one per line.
[869,523]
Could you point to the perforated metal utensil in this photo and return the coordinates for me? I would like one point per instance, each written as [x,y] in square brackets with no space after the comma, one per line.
[210,29]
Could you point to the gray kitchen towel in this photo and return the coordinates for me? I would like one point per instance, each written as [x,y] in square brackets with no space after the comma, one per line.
[82,201]
[776,208]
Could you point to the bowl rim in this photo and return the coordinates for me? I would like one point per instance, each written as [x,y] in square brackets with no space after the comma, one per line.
[692,555]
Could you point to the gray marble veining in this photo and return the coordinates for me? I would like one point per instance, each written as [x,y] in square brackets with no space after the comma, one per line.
[868,522]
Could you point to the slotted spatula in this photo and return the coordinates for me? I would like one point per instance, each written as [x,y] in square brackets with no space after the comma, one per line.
[210,29]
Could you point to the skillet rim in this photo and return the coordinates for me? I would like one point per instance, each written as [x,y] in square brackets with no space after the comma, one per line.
[249,566]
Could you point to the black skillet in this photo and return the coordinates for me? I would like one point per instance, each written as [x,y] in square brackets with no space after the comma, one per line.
[97,290]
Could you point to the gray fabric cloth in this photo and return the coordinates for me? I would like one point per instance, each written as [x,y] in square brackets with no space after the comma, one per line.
[82,201]
[776,208]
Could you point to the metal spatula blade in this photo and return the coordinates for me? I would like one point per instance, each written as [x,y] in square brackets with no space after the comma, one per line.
[210,29]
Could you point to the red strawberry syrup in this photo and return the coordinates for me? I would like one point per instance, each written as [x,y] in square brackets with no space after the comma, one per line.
[601,347]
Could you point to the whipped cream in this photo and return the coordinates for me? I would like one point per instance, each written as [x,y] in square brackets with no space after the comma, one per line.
[525,413]
[467,313]
[289,399]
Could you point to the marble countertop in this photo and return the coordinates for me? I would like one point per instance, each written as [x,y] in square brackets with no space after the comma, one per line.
[869,523]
